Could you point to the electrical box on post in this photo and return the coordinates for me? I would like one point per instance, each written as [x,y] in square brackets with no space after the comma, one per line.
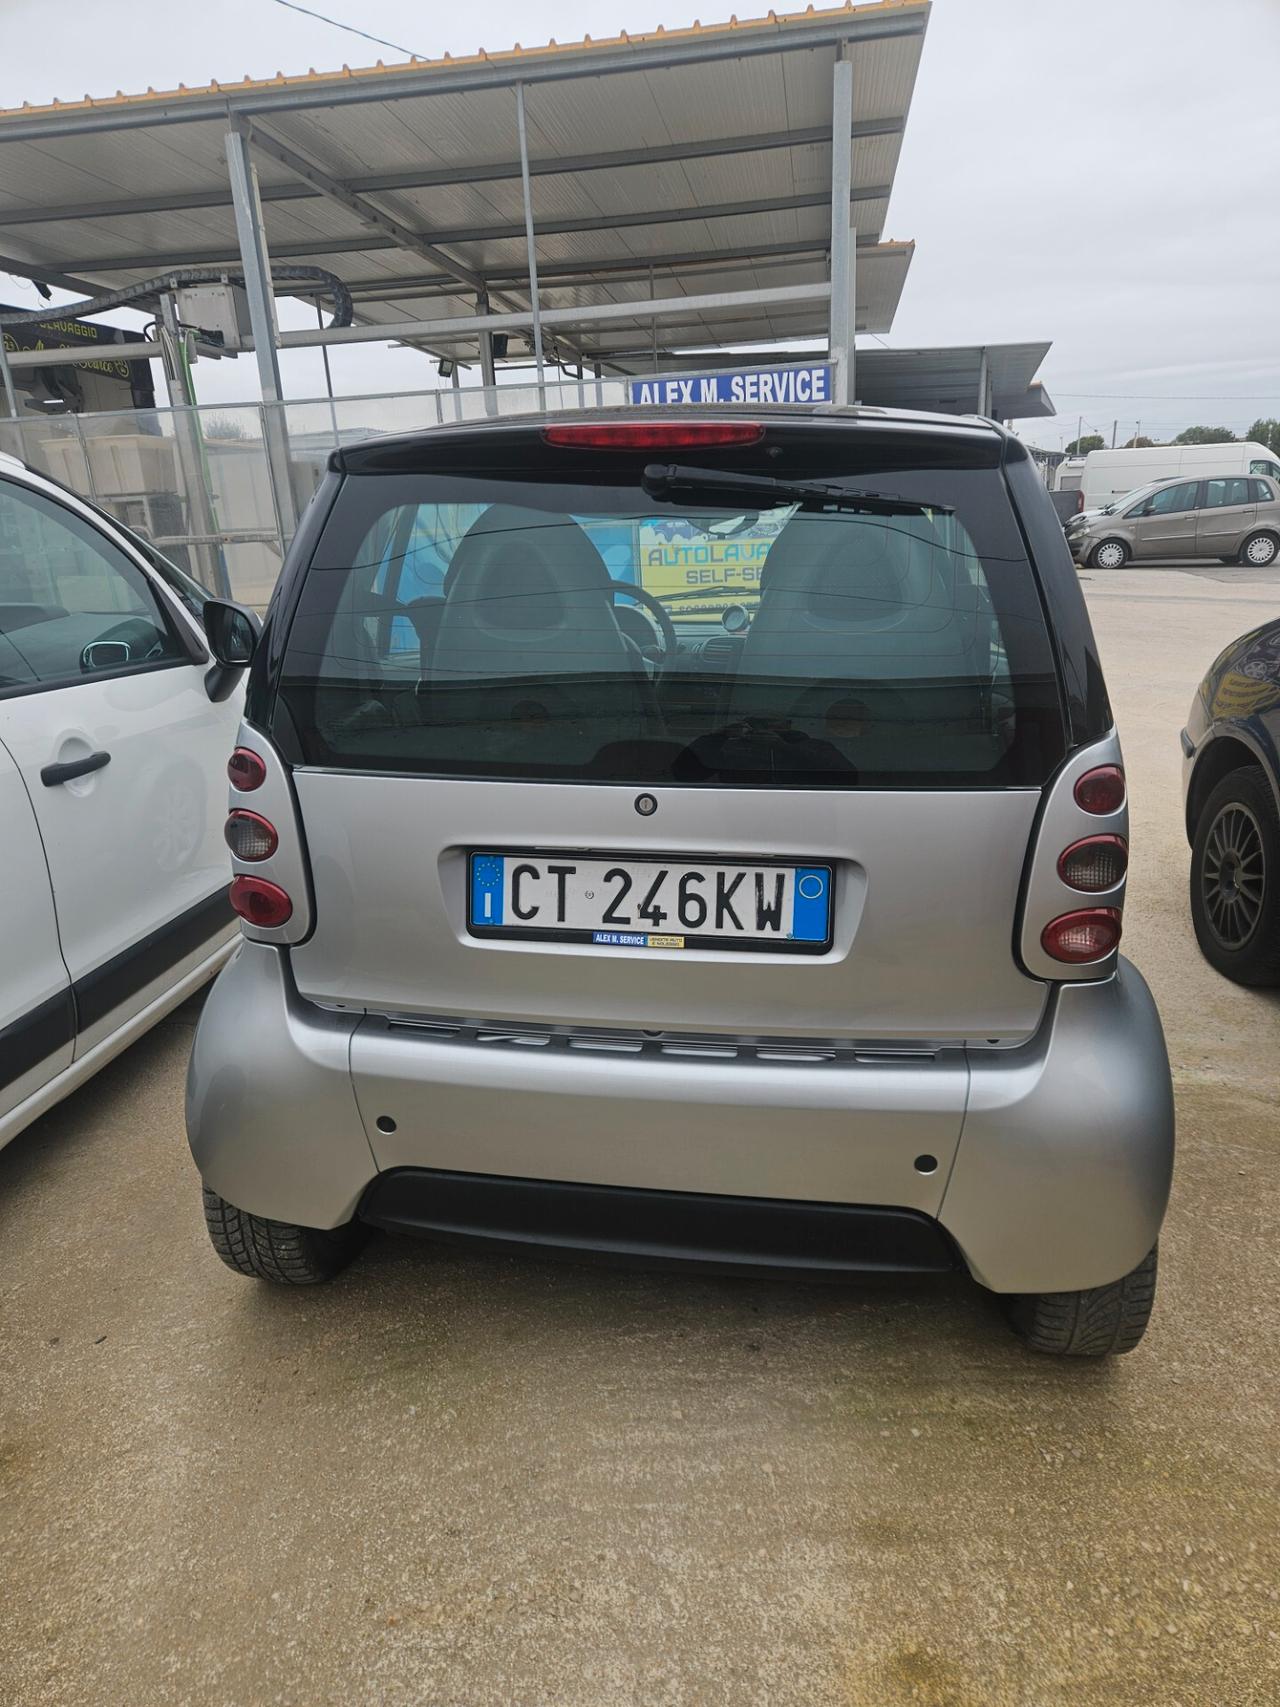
[220,311]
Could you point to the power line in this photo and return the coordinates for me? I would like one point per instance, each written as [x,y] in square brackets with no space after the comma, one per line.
[351,29]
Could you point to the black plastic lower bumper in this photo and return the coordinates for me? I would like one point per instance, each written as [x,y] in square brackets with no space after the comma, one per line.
[744,1234]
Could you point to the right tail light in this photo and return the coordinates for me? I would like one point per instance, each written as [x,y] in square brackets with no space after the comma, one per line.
[1101,791]
[1094,864]
[1078,938]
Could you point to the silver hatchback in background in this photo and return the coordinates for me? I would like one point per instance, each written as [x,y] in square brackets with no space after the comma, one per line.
[1234,517]
[694,839]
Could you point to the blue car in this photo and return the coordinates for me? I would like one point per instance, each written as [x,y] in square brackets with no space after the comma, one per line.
[1231,784]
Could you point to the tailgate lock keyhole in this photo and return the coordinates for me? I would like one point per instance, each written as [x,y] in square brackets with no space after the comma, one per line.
[646,805]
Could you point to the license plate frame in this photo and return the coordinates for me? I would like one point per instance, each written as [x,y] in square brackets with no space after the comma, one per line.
[639,938]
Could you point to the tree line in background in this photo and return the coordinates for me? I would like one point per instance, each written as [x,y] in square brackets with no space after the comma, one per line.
[1262,432]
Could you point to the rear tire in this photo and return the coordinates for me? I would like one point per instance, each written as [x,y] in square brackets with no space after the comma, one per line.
[279,1251]
[1235,879]
[1259,551]
[1109,554]
[1100,1321]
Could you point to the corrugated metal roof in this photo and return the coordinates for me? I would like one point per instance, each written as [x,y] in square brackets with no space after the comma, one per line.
[519,60]
[703,153]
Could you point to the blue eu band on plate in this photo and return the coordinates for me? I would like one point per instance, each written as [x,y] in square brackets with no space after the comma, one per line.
[624,901]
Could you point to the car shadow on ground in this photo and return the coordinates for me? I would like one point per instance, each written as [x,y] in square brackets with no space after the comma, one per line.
[411,1305]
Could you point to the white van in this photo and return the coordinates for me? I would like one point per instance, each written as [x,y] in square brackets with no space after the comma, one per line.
[1110,474]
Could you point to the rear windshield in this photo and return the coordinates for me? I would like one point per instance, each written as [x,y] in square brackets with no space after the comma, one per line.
[639,621]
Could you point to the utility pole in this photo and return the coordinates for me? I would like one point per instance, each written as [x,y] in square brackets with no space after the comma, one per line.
[1114,425]
[1079,432]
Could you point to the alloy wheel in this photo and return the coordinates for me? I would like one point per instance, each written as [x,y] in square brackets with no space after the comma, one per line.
[1233,881]
[1110,556]
[1260,551]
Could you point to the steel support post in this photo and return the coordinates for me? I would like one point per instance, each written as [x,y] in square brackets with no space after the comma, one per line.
[984,384]
[843,281]
[488,375]
[208,562]
[257,284]
[522,127]
[10,393]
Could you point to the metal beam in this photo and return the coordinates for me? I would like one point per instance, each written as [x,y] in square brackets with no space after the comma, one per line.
[55,355]
[481,233]
[256,265]
[460,326]
[418,243]
[390,288]
[422,79]
[24,269]
[431,178]
[530,252]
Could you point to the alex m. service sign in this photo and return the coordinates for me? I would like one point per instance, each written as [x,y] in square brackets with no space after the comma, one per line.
[802,383]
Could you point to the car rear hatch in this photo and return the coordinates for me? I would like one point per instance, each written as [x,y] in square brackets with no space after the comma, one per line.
[782,790]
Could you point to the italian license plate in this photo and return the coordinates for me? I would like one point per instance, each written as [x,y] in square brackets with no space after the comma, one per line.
[629,903]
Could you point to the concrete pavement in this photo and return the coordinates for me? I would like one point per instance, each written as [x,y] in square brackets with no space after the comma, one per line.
[464,1479]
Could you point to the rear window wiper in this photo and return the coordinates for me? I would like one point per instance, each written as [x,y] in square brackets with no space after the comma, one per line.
[670,480]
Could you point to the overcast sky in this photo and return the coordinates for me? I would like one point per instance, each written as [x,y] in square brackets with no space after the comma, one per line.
[1102,173]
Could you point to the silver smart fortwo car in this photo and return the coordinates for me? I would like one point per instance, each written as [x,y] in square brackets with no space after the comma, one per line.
[699,839]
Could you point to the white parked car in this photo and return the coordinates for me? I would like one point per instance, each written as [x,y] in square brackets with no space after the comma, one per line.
[115,729]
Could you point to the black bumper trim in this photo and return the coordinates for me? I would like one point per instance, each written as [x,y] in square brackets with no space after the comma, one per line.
[742,1234]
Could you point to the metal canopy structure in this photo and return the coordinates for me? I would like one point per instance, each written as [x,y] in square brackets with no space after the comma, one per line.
[716,185]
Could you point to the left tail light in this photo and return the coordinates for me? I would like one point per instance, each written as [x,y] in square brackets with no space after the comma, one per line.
[271,889]
[246,770]
[261,903]
[249,835]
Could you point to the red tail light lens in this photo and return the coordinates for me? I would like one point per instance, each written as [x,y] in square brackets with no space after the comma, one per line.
[1080,500]
[260,903]
[1096,863]
[653,435]
[1078,938]
[1101,792]
[250,836]
[245,770]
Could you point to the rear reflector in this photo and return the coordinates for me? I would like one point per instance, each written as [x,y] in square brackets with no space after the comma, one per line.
[653,435]
[260,903]
[1078,938]
[250,836]
[1096,863]
[1101,792]
[245,770]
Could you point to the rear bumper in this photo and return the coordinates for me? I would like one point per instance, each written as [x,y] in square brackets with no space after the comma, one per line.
[1051,1162]
[735,1234]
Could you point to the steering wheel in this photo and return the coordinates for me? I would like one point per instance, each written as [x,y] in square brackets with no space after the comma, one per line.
[661,621]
